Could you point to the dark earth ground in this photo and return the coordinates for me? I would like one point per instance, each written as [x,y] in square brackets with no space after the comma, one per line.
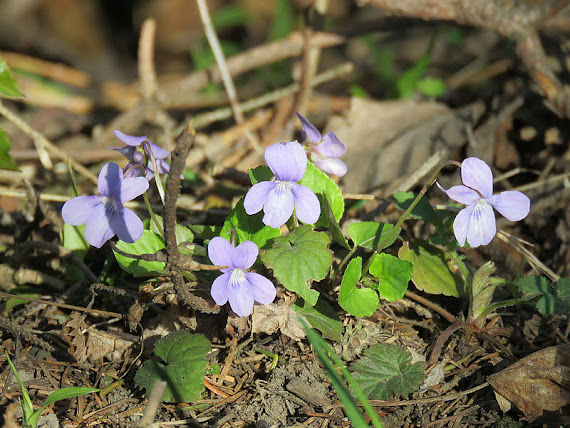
[492,90]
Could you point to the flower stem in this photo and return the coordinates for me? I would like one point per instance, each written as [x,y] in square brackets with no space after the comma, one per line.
[396,229]
[152,215]
[157,180]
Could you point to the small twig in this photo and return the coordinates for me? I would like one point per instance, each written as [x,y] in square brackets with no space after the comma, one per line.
[226,76]
[147,73]
[63,305]
[449,317]
[43,145]
[154,400]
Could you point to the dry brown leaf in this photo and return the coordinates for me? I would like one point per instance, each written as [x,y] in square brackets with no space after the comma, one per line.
[276,317]
[72,333]
[90,344]
[389,140]
[538,382]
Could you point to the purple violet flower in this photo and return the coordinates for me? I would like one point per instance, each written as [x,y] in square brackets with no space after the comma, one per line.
[131,151]
[476,222]
[324,150]
[282,194]
[235,284]
[105,216]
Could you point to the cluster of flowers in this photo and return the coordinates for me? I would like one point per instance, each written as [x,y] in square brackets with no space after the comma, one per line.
[105,216]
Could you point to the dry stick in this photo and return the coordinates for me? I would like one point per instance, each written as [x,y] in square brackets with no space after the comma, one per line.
[175,264]
[43,145]
[518,23]
[147,73]
[226,76]
[63,305]
[154,401]
[449,317]
[148,79]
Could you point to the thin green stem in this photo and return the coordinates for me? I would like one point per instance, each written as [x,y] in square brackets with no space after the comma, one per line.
[153,217]
[343,262]
[396,229]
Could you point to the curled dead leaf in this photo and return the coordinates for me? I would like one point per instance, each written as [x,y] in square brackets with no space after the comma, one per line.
[538,382]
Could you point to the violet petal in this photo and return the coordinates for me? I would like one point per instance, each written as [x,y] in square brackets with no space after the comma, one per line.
[97,229]
[221,252]
[307,206]
[76,211]
[127,225]
[131,188]
[110,179]
[239,295]
[219,291]
[476,174]
[256,196]
[245,255]
[287,161]
[512,205]
[158,152]
[309,131]
[462,194]
[331,166]
[481,227]
[331,146]
[129,140]
[279,205]
[262,289]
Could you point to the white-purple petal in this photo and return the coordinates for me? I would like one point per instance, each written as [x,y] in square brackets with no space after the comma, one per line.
[333,166]
[76,211]
[287,161]
[331,146]
[462,194]
[307,206]
[219,291]
[130,140]
[98,229]
[158,152]
[110,179]
[309,131]
[239,294]
[262,290]
[245,255]
[279,205]
[127,225]
[512,205]
[131,188]
[221,252]
[256,196]
[476,223]
[476,174]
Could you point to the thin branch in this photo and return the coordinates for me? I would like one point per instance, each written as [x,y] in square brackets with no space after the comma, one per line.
[63,305]
[147,73]
[226,76]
